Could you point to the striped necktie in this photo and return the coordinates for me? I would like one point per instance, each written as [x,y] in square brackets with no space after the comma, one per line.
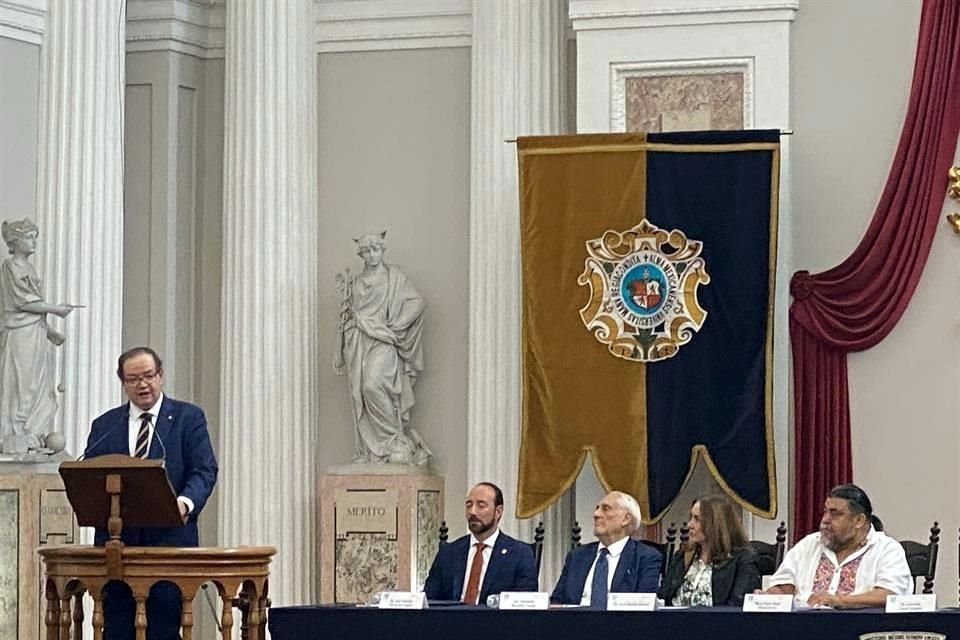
[143,437]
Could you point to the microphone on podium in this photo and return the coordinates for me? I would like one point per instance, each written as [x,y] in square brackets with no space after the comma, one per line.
[163,455]
[90,447]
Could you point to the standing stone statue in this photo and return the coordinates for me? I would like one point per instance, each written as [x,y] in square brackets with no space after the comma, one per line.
[28,399]
[380,349]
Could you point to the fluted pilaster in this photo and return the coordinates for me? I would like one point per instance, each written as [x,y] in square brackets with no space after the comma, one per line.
[518,88]
[269,352]
[80,201]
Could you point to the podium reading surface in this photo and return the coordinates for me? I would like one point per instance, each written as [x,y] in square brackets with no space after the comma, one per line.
[148,499]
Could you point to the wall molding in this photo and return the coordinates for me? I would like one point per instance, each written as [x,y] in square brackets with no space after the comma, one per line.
[621,14]
[23,20]
[191,27]
[377,25]
[196,27]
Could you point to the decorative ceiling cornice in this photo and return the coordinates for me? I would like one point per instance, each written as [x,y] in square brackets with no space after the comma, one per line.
[370,25]
[192,27]
[620,14]
[23,20]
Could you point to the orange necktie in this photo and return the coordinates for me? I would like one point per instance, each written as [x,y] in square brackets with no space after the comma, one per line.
[473,582]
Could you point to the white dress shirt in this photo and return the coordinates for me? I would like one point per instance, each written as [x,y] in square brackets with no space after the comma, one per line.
[613,560]
[133,423]
[133,430]
[883,564]
[487,552]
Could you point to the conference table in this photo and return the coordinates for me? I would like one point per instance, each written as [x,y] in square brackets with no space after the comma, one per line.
[717,623]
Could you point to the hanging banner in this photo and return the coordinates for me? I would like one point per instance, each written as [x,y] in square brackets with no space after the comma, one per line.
[648,264]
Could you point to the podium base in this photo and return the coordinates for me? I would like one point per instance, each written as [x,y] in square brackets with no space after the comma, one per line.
[35,512]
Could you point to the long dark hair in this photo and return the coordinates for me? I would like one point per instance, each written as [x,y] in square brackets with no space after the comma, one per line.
[722,529]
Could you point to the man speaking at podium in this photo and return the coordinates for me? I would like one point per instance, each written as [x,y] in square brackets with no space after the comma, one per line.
[152,425]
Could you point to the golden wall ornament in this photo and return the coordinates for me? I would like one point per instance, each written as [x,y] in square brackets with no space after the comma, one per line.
[953,191]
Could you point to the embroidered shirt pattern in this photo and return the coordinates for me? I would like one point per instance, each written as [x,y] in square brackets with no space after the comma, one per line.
[826,570]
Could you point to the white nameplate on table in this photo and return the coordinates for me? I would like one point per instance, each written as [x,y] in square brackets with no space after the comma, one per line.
[920,602]
[403,600]
[631,601]
[767,603]
[524,600]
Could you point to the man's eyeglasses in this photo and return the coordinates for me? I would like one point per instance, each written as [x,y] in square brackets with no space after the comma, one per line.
[132,381]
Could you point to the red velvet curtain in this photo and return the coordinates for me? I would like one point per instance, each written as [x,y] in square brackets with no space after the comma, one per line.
[854,305]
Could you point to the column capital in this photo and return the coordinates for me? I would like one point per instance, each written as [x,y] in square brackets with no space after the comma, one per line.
[625,14]
[347,25]
[192,27]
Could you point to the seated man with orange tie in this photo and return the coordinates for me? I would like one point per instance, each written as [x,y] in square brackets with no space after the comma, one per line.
[614,564]
[485,562]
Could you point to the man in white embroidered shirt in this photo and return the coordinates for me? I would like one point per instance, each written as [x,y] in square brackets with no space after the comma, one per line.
[849,563]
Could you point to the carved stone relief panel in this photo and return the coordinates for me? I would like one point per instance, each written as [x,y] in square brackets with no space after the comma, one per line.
[681,95]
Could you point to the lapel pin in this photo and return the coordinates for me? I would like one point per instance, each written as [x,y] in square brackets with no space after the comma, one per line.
[503,552]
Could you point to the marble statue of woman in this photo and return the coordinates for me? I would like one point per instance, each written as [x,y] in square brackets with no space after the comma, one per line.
[27,388]
[380,349]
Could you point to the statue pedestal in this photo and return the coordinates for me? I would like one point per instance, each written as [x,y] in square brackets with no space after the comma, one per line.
[34,512]
[378,530]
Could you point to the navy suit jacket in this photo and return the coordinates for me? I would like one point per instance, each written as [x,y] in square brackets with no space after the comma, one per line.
[181,439]
[512,567]
[638,571]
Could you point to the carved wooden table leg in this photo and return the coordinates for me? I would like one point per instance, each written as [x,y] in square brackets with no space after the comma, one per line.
[140,619]
[263,602]
[243,603]
[78,614]
[253,610]
[97,617]
[64,617]
[52,617]
[186,618]
[226,618]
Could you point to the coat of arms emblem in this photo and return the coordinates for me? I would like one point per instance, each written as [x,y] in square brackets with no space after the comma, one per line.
[643,291]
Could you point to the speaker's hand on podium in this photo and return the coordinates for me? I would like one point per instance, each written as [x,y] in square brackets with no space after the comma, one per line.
[183,510]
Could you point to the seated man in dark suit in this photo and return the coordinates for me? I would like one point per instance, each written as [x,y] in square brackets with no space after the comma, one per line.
[616,563]
[485,562]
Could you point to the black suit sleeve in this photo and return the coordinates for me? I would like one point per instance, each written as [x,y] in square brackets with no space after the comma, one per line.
[434,586]
[746,578]
[526,578]
[559,592]
[199,461]
[649,571]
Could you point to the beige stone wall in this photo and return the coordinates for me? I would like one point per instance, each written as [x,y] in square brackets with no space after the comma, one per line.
[19,76]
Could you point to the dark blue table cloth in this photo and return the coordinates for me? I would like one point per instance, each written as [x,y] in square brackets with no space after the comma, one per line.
[480,623]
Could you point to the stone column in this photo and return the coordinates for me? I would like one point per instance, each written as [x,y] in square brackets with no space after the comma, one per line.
[80,202]
[518,88]
[269,291]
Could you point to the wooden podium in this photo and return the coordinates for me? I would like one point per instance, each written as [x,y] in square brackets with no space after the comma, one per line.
[116,489]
